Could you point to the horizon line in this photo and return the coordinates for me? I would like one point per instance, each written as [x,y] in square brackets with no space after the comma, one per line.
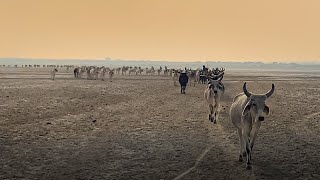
[172,61]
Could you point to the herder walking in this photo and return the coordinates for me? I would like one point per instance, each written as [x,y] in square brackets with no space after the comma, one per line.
[183,80]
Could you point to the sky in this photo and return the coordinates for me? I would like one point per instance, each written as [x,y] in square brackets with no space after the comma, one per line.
[173,30]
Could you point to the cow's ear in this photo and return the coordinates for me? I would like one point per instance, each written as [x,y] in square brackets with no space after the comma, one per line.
[266,110]
[246,109]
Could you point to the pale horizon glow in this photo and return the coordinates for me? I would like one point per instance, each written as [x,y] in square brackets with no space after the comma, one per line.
[162,30]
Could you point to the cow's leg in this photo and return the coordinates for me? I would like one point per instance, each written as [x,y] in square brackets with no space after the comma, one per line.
[241,152]
[254,133]
[211,111]
[246,129]
[215,111]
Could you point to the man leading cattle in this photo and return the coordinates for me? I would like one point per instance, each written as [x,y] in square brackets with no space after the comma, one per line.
[183,80]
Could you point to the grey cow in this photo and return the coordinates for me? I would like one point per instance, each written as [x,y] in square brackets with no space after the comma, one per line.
[246,113]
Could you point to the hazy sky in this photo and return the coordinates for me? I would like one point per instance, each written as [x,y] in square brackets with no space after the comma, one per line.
[177,30]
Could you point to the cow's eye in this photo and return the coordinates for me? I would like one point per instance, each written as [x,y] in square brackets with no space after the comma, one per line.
[254,104]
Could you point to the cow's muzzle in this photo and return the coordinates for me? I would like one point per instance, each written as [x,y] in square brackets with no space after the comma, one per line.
[261,118]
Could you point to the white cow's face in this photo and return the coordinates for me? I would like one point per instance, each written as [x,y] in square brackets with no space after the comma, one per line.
[256,104]
[216,86]
[256,107]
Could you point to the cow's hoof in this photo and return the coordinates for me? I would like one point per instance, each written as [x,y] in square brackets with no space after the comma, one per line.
[214,122]
[248,167]
[240,159]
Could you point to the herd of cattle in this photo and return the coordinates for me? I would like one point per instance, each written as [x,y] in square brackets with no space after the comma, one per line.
[95,73]
[246,112]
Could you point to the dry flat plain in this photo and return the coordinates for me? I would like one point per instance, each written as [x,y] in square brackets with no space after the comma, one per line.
[141,127]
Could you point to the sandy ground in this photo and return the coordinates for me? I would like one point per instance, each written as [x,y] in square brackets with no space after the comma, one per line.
[141,127]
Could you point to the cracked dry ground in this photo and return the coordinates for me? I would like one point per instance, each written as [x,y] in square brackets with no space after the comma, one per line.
[143,128]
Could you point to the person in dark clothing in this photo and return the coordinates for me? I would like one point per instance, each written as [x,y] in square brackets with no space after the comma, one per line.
[76,72]
[183,80]
[203,77]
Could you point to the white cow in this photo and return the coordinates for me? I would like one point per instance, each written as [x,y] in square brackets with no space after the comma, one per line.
[124,70]
[159,71]
[175,77]
[197,76]
[53,73]
[246,113]
[213,95]
[111,74]
[96,73]
[118,70]
[91,73]
[82,72]
[103,71]
[139,71]
[148,71]
[133,70]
